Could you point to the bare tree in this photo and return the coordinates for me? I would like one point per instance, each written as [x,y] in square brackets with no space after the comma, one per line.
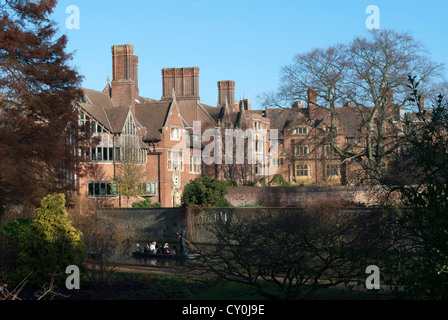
[369,75]
[129,179]
[297,252]
[102,239]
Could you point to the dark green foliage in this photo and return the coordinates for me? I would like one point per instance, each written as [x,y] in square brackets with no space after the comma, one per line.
[205,192]
[146,204]
[19,228]
[278,180]
[229,183]
[50,245]
[12,237]
[420,231]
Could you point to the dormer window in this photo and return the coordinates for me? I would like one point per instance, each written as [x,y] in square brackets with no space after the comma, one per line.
[300,131]
[84,99]
[96,127]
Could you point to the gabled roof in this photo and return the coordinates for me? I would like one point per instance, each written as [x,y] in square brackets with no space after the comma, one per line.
[103,109]
[96,105]
[281,119]
[117,117]
[349,117]
[352,120]
[211,112]
[152,115]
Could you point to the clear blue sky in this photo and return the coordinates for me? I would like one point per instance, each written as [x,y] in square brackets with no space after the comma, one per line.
[247,41]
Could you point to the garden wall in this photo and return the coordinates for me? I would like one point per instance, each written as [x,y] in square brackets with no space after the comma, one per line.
[161,224]
[302,196]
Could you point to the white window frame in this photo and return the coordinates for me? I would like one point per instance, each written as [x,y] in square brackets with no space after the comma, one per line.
[176,135]
[173,160]
[195,164]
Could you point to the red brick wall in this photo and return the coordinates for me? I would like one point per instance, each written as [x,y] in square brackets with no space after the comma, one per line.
[302,196]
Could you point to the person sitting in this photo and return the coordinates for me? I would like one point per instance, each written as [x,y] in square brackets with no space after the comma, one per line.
[166,249]
[139,249]
[146,250]
[153,248]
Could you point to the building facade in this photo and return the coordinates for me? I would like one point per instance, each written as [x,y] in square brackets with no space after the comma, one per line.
[163,141]
[177,138]
[314,142]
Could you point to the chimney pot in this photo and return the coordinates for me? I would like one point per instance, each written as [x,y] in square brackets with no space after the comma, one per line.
[124,86]
[297,104]
[312,96]
[226,90]
[185,82]
[421,106]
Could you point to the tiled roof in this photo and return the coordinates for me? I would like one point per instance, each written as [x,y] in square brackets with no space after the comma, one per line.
[352,119]
[415,116]
[349,117]
[149,113]
[117,117]
[152,115]
[281,118]
[96,103]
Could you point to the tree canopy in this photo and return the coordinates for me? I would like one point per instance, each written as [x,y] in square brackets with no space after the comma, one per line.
[370,74]
[51,244]
[205,192]
[38,122]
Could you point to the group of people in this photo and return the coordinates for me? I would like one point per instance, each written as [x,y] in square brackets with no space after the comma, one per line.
[154,248]
[165,249]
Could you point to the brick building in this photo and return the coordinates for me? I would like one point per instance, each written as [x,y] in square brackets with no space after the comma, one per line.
[163,139]
[306,156]
[177,138]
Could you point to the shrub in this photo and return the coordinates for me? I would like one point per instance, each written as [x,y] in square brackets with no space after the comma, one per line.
[205,192]
[146,204]
[12,237]
[278,180]
[51,245]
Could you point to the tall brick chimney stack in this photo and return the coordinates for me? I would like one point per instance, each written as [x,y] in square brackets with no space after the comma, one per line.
[421,107]
[226,91]
[312,96]
[312,101]
[184,81]
[390,105]
[124,86]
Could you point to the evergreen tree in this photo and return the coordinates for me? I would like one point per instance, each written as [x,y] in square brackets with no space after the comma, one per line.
[52,243]
[38,123]
[205,192]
